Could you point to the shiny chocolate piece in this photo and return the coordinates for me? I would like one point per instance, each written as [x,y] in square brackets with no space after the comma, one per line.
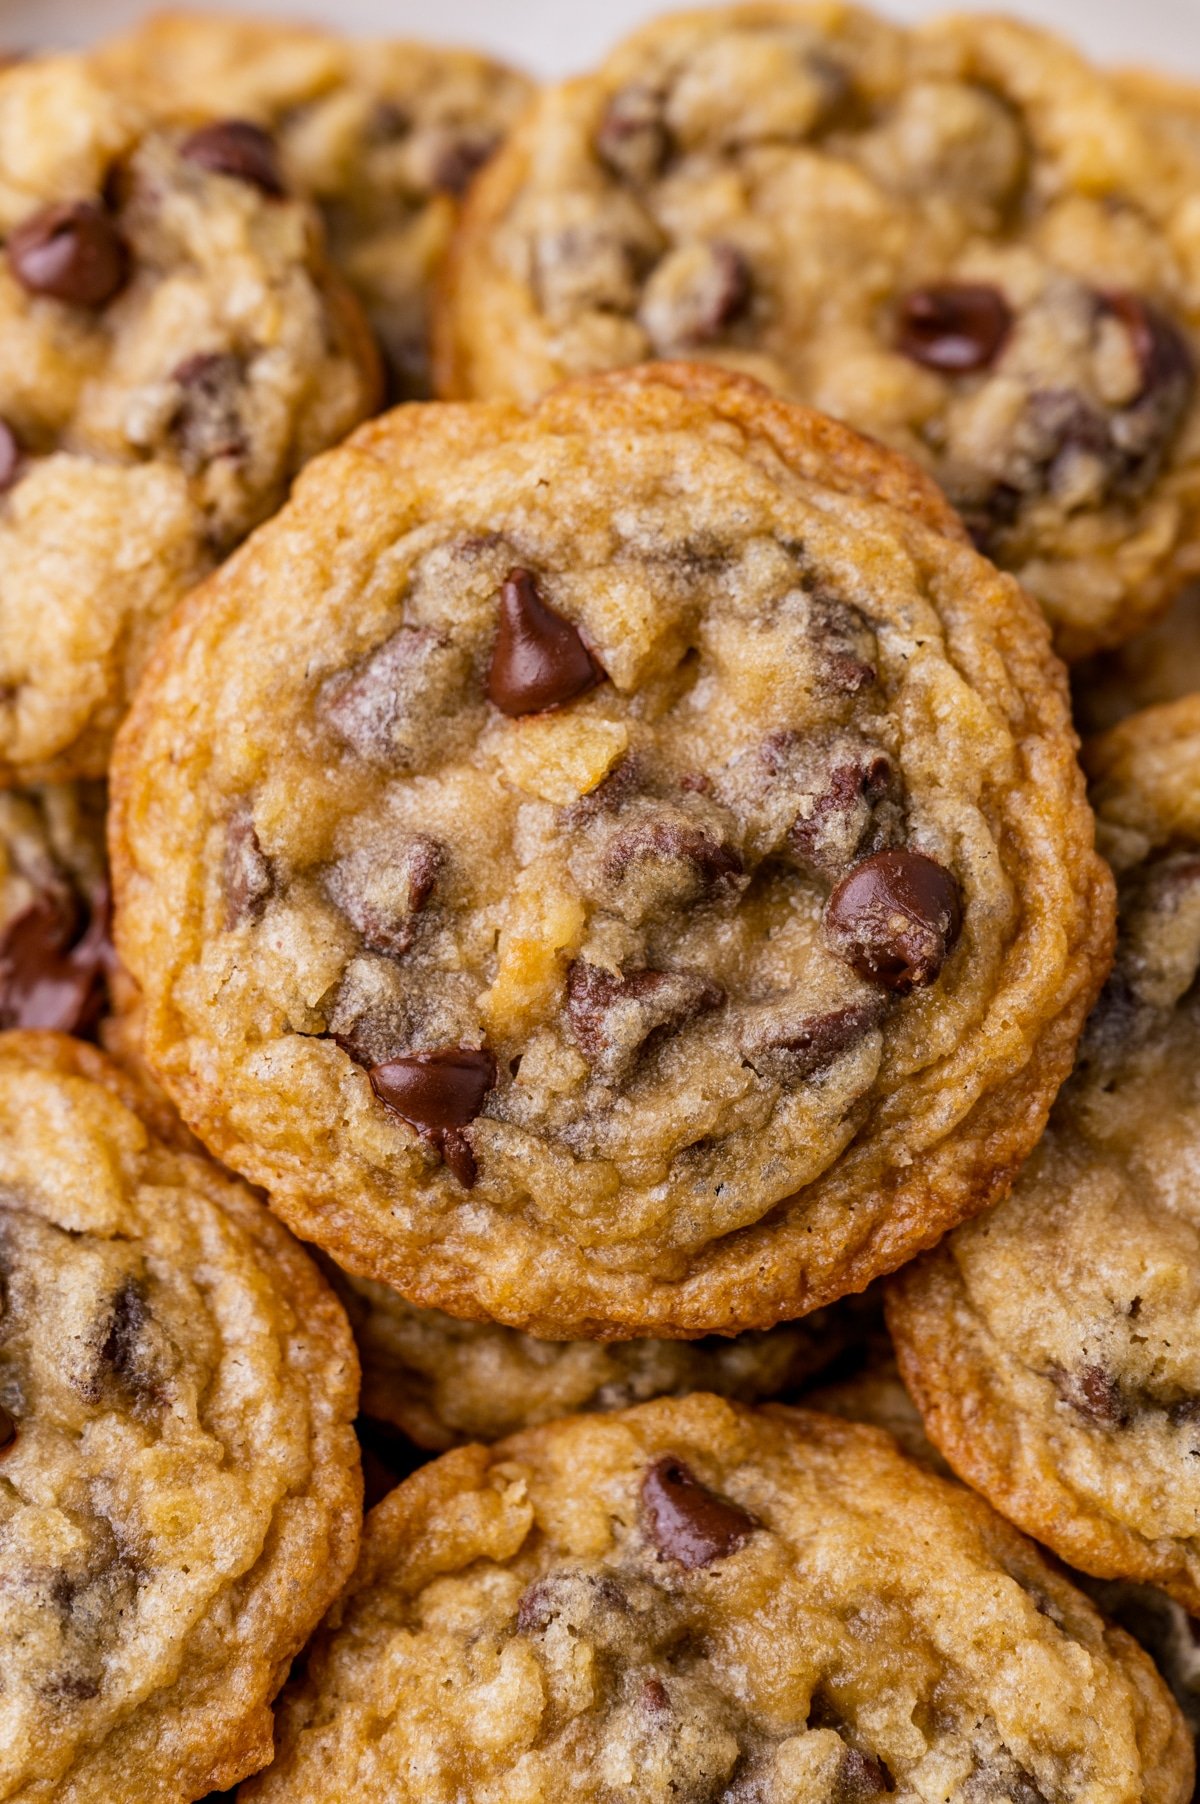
[239,149]
[539,659]
[51,971]
[688,1523]
[439,1093]
[894,919]
[955,328]
[71,252]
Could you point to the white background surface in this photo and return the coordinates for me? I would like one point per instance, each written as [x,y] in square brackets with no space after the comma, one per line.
[553,37]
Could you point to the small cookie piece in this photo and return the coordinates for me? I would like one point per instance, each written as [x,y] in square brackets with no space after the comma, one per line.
[1052,1345]
[692,1600]
[962,239]
[444,1382]
[55,952]
[173,346]
[384,136]
[639,885]
[179,1478]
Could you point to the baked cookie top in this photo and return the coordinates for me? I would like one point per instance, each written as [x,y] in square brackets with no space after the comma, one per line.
[55,952]
[640,882]
[179,1482]
[444,1382]
[962,239]
[173,347]
[384,135]
[1052,1344]
[693,1600]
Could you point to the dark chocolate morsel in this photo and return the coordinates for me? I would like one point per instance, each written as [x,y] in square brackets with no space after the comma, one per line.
[791,1047]
[8,1430]
[539,659]
[71,252]
[687,1522]
[460,162]
[894,918]
[954,327]
[239,149]
[1163,354]
[860,1778]
[613,1020]
[1092,1392]
[248,877]
[10,456]
[51,973]
[436,1091]
[714,866]
[207,422]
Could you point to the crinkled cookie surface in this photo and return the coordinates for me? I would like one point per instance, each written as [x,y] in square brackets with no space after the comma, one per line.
[173,346]
[640,882]
[963,239]
[384,135]
[691,1601]
[1052,1343]
[179,1482]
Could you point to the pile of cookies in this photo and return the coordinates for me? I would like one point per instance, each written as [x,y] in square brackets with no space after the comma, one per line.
[568,944]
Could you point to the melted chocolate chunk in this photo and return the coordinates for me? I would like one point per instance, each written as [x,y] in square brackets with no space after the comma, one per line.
[239,149]
[633,140]
[72,252]
[391,708]
[838,821]
[614,1019]
[894,919]
[539,659]
[384,897]
[781,1043]
[584,1599]
[665,859]
[8,1430]
[248,877]
[1164,355]
[121,1349]
[860,1778]
[1094,1393]
[439,1093]
[688,1523]
[954,327]
[207,422]
[53,960]
[10,457]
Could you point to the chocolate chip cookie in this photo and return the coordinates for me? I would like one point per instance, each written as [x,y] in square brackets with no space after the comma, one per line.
[55,953]
[179,1480]
[385,136]
[962,239]
[443,1382]
[172,347]
[693,1601]
[1052,1344]
[637,883]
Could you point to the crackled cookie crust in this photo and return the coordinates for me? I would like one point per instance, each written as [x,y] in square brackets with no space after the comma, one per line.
[179,1481]
[444,1382]
[173,347]
[1052,1344]
[695,1601]
[384,135]
[962,239]
[639,884]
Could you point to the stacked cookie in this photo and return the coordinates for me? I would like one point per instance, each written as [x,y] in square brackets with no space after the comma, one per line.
[603,857]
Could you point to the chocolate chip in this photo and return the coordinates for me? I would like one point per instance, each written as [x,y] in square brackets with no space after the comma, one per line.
[459,162]
[239,149]
[439,1093]
[860,1778]
[687,1522]
[207,422]
[613,1020]
[954,327]
[71,252]
[539,659]
[383,894]
[894,919]
[694,295]
[8,1430]
[654,1698]
[838,818]
[1163,354]
[248,877]
[591,1600]
[1092,1392]
[10,457]
[783,1044]
[51,971]
[632,139]
[665,859]
[120,1350]
[392,708]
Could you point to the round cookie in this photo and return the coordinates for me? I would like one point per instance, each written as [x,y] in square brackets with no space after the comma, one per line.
[179,1479]
[384,135]
[444,1382]
[1051,1345]
[173,346]
[694,1600]
[55,954]
[962,239]
[640,884]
